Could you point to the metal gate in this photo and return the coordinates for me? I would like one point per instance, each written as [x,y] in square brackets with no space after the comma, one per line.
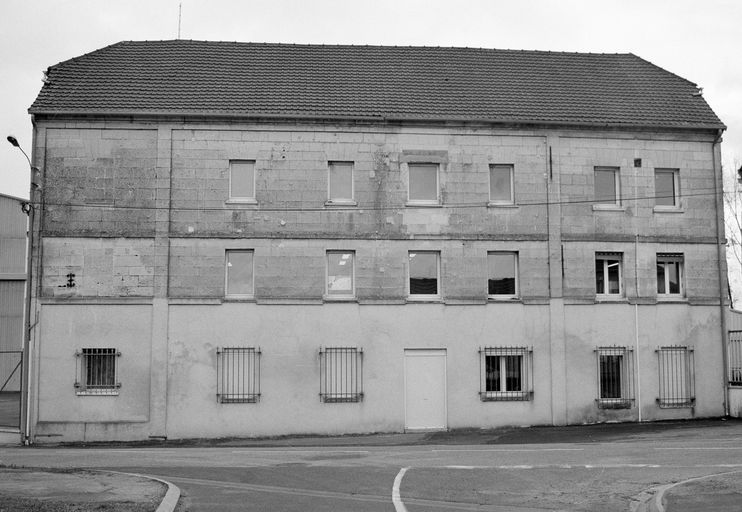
[11,364]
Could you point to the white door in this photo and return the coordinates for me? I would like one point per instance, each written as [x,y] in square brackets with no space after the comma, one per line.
[425,389]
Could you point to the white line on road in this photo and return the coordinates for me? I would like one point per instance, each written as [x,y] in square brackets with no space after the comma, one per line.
[701,448]
[396,498]
[281,450]
[662,490]
[513,450]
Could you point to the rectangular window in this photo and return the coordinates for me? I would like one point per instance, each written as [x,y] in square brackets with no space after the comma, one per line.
[505,373]
[423,188]
[670,274]
[677,377]
[608,274]
[341,374]
[97,371]
[615,377]
[735,358]
[237,375]
[607,187]
[666,188]
[242,180]
[424,274]
[501,184]
[502,274]
[340,279]
[340,182]
[239,274]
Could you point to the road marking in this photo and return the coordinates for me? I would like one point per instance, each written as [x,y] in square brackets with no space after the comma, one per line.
[662,490]
[280,450]
[702,448]
[396,499]
[514,450]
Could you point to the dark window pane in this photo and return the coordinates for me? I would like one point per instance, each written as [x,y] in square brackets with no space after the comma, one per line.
[513,373]
[664,188]
[502,270]
[423,273]
[661,278]
[492,375]
[599,276]
[610,376]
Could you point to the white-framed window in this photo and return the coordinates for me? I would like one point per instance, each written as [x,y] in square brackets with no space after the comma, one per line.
[340,274]
[340,186]
[608,274]
[238,375]
[242,181]
[341,374]
[667,188]
[423,184]
[607,186]
[239,279]
[505,373]
[615,377]
[677,377]
[502,274]
[424,275]
[502,189]
[670,274]
[97,371]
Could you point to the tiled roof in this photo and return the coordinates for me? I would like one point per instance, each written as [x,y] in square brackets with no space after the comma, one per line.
[372,82]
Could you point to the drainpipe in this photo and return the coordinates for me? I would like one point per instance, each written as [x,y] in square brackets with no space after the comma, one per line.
[636,329]
[721,256]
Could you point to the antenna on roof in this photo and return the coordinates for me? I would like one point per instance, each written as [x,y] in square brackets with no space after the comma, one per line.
[180,11]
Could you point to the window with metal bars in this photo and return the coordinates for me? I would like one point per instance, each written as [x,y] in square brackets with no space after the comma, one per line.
[615,377]
[735,358]
[97,371]
[505,373]
[677,377]
[341,374]
[238,375]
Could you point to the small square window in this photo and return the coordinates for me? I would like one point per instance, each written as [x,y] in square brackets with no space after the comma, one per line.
[97,371]
[340,182]
[666,188]
[615,377]
[424,275]
[423,188]
[505,373]
[670,274]
[502,274]
[608,277]
[501,184]
[239,273]
[237,375]
[607,187]
[242,180]
[340,274]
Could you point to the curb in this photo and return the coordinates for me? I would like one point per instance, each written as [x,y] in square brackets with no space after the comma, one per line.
[172,495]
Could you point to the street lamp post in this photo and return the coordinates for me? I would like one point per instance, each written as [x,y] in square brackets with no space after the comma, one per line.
[30,209]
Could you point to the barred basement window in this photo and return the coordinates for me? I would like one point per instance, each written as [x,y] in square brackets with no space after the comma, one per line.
[238,375]
[677,377]
[615,377]
[97,371]
[735,358]
[505,373]
[341,374]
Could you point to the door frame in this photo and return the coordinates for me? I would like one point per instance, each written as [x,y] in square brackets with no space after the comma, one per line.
[439,352]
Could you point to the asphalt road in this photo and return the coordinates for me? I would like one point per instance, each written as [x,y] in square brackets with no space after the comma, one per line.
[605,468]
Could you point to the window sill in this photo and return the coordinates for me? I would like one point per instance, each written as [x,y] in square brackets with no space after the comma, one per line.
[340,203]
[670,299]
[334,298]
[505,396]
[608,208]
[423,204]
[424,298]
[241,202]
[503,298]
[611,299]
[239,298]
[107,392]
[502,205]
[668,209]
[614,403]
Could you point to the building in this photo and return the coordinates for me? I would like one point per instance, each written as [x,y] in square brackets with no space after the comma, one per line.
[13,226]
[261,239]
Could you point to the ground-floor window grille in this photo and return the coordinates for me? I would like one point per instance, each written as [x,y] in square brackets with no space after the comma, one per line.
[97,371]
[615,367]
[237,375]
[341,374]
[505,373]
[735,358]
[677,377]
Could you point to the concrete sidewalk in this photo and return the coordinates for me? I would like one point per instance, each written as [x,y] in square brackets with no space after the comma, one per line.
[25,489]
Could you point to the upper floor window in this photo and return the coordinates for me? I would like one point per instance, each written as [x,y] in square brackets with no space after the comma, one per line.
[340,274]
[502,274]
[340,183]
[607,186]
[666,188]
[608,274]
[670,274]
[424,275]
[501,184]
[242,180]
[239,273]
[423,187]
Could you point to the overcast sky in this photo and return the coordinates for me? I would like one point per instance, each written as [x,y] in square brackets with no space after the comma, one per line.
[696,40]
